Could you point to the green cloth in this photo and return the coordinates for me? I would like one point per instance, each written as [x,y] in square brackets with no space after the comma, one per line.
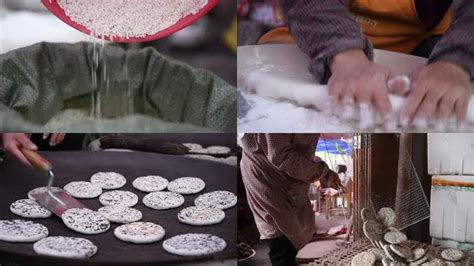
[45,80]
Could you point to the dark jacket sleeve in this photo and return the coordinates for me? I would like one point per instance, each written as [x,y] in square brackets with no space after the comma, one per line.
[282,153]
[457,44]
[323,29]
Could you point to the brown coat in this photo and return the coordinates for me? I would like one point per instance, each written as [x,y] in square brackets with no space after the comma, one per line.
[277,170]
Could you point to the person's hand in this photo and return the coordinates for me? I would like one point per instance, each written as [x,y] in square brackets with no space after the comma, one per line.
[244,250]
[358,82]
[333,180]
[55,139]
[12,143]
[438,90]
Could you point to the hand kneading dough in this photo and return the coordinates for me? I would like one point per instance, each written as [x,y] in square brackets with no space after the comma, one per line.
[307,93]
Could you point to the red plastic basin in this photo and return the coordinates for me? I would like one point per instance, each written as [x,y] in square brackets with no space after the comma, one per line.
[54,8]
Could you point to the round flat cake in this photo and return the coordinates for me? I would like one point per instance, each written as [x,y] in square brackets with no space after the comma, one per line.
[435,262]
[150,183]
[85,221]
[163,200]
[363,259]
[217,199]
[65,247]
[83,190]
[140,232]
[108,180]
[22,231]
[395,237]
[41,190]
[28,208]
[387,217]
[401,250]
[392,256]
[194,147]
[195,215]
[194,244]
[365,214]
[452,254]
[186,185]
[378,253]
[118,197]
[373,230]
[418,253]
[120,214]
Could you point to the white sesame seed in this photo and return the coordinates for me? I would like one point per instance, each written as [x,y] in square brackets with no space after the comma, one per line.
[129,18]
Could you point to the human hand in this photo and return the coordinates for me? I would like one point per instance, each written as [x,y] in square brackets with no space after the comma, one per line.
[358,82]
[55,139]
[333,180]
[439,90]
[13,141]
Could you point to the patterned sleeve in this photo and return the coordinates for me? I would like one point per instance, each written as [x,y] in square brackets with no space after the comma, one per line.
[457,44]
[322,29]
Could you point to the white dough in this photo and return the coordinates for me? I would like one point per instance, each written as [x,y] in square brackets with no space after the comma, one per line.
[193,147]
[150,183]
[217,199]
[65,247]
[194,244]
[217,149]
[108,180]
[83,190]
[140,232]
[186,185]
[85,221]
[201,216]
[22,231]
[163,200]
[118,197]
[120,214]
[28,208]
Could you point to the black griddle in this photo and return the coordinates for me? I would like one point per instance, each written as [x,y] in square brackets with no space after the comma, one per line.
[16,180]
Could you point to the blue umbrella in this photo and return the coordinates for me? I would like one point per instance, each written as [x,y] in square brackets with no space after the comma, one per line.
[330,146]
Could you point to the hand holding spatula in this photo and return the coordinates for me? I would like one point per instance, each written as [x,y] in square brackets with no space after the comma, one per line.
[55,201]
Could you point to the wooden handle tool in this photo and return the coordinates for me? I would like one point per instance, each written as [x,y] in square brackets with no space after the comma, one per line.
[36,160]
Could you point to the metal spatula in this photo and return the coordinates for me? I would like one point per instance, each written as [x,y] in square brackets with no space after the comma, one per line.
[55,201]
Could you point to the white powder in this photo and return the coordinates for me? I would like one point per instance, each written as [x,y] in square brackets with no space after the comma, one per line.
[129,18]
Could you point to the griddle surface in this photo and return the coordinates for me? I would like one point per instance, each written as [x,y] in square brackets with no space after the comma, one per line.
[16,180]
